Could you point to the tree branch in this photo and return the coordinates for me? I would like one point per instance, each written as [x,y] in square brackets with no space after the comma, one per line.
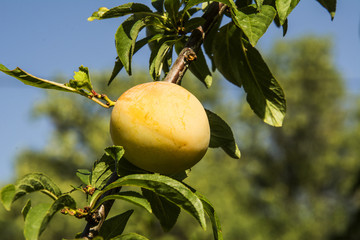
[188,53]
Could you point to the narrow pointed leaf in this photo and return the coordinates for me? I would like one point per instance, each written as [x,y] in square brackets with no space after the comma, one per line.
[125,39]
[118,64]
[214,219]
[222,135]
[172,8]
[158,56]
[174,191]
[166,211]
[84,175]
[26,208]
[252,22]
[330,5]
[264,93]
[284,8]
[115,226]
[119,11]
[31,80]
[158,5]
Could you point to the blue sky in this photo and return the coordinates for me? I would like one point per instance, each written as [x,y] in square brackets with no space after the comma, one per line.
[50,37]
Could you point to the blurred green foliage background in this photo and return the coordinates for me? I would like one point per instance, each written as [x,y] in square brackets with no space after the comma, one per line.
[300,181]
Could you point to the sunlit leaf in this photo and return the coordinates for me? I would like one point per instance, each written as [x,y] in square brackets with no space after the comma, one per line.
[119,11]
[222,135]
[252,22]
[130,196]
[40,215]
[7,195]
[284,8]
[31,80]
[81,80]
[84,175]
[247,67]
[125,39]
[172,190]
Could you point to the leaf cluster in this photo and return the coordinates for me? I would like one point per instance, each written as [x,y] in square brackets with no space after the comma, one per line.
[164,196]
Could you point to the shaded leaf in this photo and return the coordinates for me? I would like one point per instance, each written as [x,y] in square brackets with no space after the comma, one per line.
[284,8]
[130,196]
[252,22]
[125,39]
[130,236]
[158,56]
[119,11]
[166,211]
[172,8]
[158,5]
[330,5]
[174,191]
[198,67]
[115,226]
[26,208]
[222,135]
[116,153]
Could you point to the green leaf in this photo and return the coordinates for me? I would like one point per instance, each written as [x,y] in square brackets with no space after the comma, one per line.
[119,11]
[158,56]
[158,5]
[84,175]
[247,67]
[40,215]
[26,208]
[172,8]
[31,80]
[81,80]
[7,195]
[130,236]
[102,171]
[252,22]
[215,222]
[259,4]
[115,226]
[125,39]
[130,196]
[172,190]
[118,64]
[226,55]
[222,135]
[116,153]
[330,5]
[36,182]
[284,8]
[264,93]
[198,67]
[166,211]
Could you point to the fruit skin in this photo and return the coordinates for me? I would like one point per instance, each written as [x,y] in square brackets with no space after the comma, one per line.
[162,127]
